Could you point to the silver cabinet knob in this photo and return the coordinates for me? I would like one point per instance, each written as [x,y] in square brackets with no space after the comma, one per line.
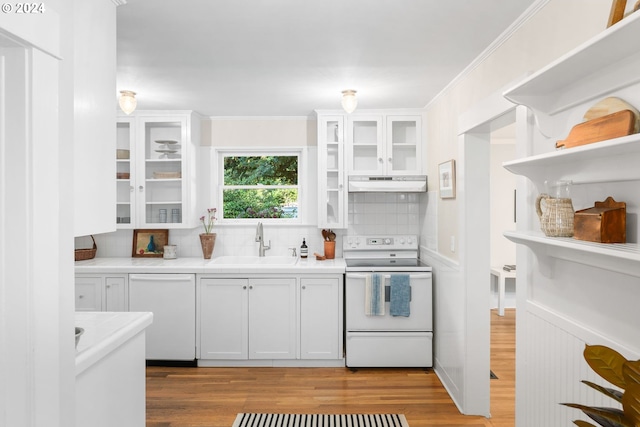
[141,188]
[244,287]
[304,287]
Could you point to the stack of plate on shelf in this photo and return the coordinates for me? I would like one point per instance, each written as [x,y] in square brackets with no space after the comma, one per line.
[167,148]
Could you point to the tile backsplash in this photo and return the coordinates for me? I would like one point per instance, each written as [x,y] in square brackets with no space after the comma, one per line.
[369,213]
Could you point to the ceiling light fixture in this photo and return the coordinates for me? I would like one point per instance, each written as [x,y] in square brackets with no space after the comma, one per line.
[349,101]
[128,101]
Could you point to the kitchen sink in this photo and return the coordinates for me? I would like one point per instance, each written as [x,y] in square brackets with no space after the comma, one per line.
[254,260]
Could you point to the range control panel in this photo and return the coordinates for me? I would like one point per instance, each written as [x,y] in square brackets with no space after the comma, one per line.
[389,242]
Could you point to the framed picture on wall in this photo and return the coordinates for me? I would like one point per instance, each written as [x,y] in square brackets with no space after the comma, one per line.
[447,179]
[149,243]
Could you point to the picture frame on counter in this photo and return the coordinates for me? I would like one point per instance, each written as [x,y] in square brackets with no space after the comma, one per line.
[149,243]
[447,179]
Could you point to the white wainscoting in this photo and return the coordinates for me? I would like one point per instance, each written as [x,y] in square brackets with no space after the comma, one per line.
[556,367]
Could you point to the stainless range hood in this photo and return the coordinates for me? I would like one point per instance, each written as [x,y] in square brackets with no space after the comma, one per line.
[388,184]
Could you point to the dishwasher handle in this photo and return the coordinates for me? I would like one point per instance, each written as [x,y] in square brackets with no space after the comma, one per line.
[388,276]
[162,277]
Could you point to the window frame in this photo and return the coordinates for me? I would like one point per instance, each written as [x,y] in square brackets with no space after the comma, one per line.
[300,153]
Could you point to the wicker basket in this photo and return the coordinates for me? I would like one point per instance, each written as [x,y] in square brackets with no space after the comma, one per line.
[82,254]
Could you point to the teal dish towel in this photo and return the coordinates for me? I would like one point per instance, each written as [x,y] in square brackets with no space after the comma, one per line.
[374,295]
[400,297]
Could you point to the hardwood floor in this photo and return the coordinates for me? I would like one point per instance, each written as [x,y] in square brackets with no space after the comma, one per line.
[211,397]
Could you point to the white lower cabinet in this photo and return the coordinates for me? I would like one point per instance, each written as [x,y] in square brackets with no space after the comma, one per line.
[100,292]
[269,319]
[320,318]
[248,318]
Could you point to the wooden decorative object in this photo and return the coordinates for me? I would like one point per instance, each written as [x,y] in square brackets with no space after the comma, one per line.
[617,11]
[612,105]
[606,222]
[621,123]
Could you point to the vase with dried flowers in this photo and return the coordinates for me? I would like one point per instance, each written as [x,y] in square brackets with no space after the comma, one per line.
[208,239]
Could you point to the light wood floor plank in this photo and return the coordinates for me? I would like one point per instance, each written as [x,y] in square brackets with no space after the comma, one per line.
[212,397]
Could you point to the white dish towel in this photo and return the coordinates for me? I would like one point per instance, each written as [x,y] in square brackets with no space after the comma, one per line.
[374,295]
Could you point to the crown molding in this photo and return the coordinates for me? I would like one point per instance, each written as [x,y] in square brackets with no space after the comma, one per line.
[495,45]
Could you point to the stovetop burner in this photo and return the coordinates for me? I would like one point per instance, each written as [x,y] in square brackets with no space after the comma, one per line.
[382,253]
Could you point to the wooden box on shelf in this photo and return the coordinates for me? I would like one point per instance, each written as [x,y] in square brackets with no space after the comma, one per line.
[604,223]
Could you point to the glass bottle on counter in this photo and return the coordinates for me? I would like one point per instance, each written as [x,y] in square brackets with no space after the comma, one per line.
[304,250]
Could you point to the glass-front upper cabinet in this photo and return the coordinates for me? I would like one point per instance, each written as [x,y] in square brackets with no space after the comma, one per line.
[125,159]
[365,145]
[332,192]
[403,148]
[384,145]
[161,171]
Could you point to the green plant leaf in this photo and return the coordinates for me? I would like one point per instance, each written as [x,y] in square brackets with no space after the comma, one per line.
[631,403]
[631,372]
[607,417]
[581,423]
[607,363]
[612,393]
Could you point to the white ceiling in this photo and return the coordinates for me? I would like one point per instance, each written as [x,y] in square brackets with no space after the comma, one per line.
[289,57]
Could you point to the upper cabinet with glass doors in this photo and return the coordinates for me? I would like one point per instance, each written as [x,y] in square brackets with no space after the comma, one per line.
[384,144]
[156,162]
[332,191]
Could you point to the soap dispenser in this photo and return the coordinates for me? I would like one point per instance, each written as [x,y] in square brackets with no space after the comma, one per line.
[304,250]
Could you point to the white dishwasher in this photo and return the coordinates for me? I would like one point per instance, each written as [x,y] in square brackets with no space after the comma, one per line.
[172,300]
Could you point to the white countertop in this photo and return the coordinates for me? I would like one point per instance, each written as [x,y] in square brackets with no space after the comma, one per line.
[104,332]
[203,266]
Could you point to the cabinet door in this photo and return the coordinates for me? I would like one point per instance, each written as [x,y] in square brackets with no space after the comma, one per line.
[116,294]
[320,318]
[403,144]
[331,186]
[223,315]
[162,146]
[272,318]
[88,293]
[125,172]
[365,145]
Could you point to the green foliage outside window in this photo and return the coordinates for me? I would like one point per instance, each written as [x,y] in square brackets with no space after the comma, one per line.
[270,187]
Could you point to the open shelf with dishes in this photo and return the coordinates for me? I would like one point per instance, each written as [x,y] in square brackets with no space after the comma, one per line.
[558,95]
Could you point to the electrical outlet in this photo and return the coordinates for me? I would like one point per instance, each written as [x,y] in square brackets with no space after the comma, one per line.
[453,243]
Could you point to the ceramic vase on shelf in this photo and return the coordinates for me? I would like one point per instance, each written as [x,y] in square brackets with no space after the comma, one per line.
[207,241]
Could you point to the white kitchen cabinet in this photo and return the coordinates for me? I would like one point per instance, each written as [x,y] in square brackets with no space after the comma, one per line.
[559,95]
[403,148]
[332,191]
[160,190]
[247,318]
[365,145]
[93,67]
[320,318]
[172,300]
[384,145]
[224,319]
[101,292]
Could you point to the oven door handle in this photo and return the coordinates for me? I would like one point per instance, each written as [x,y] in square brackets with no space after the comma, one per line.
[388,276]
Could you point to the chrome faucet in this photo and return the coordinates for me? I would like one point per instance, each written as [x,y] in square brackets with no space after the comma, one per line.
[260,238]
